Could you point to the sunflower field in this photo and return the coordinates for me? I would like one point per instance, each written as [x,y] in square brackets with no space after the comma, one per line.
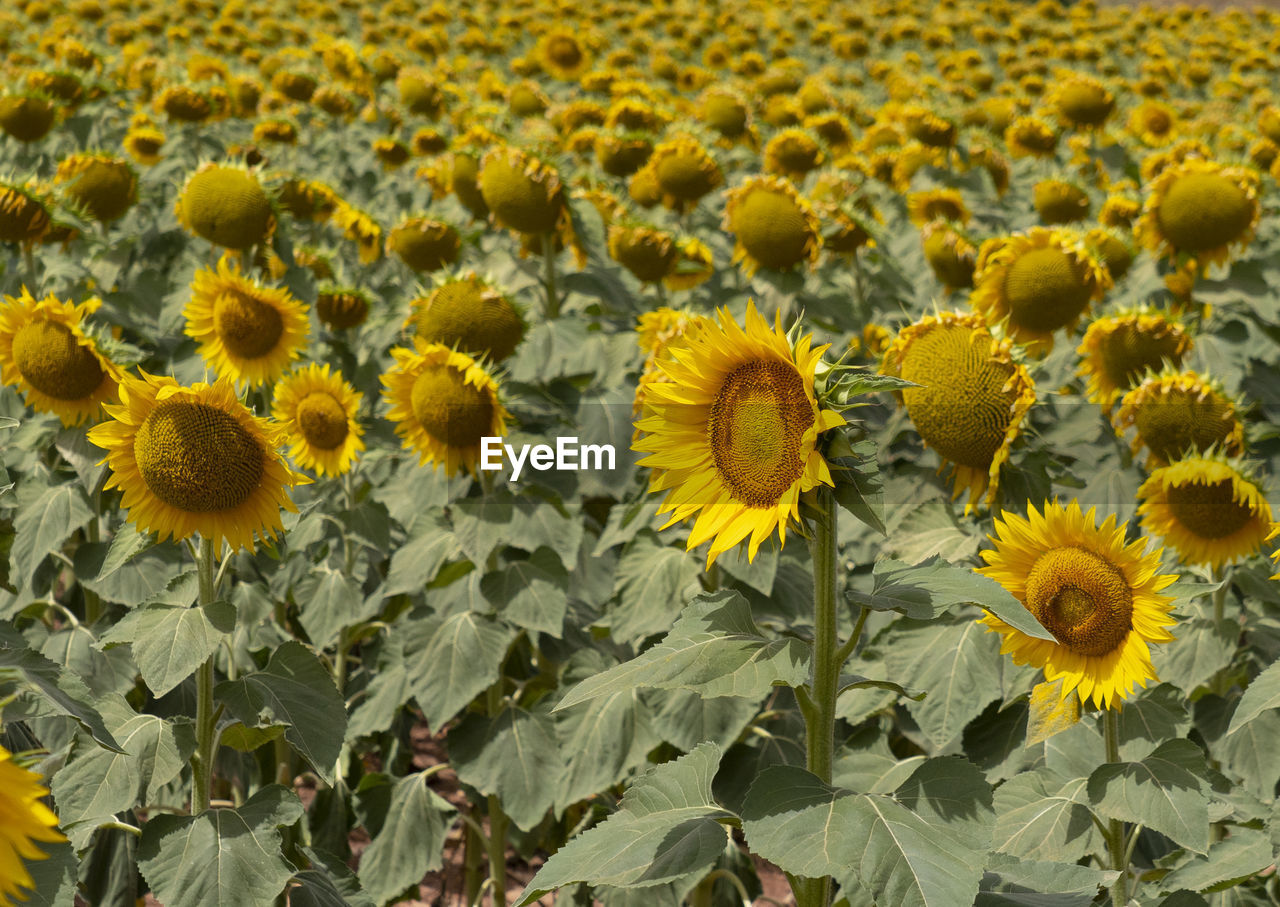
[639,453]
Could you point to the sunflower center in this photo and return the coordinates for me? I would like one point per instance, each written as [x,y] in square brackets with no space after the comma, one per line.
[323,420]
[51,361]
[1081,598]
[198,458]
[755,427]
[449,409]
[1046,289]
[1203,211]
[686,175]
[1210,511]
[1173,424]
[248,327]
[963,410]
[772,228]
[564,51]
[1129,351]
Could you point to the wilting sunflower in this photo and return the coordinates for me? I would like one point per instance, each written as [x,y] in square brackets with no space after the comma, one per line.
[227,206]
[648,253]
[195,460]
[1207,508]
[26,820]
[937,204]
[443,404]
[424,244]
[317,411]
[1176,413]
[246,331]
[563,55]
[45,353]
[23,217]
[339,308]
[774,227]
[1098,597]
[1202,209]
[1036,283]
[733,436]
[104,187]
[1118,350]
[468,314]
[523,193]
[971,401]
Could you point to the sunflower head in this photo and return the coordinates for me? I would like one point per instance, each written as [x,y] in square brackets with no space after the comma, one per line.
[949,253]
[469,314]
[1030,137]
[935,205]
[1200,208]
[424,244]
[563,55]
[184,104]
[27,117]
[792,153]
[694,265]
[684,172]
[143,144]
[732,434]
[1176,413]
[1096,595]
[1059,201]
[246,331]
[226,205]
[1207,508]
[45,353]
[105,187]
[1153,123]
[317,411]
[1113,248]
[972,397]
[523,193]
[774,227]
[26,821]
[1118,350]
[648,253]
[1082,102]
[339,308]
[23,217]
[444,404]
[1119,211]
[725,111]
[1036,283]
[621,155]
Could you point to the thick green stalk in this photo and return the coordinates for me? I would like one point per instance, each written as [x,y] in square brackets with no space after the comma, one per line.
[1115,828]
[496,846]
[549,275]
[1220,595]
[202,758]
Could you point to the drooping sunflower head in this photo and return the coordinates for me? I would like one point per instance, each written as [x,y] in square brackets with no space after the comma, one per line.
[1059,201]
[949,253]
[103,186]
[1118,350]
[733,435]
[27,116]
[226,205]
[195,460]
[1207,507]
[444,404]
[1036,283]
[792,153]
[971,401]
[1097,596]
[1082,102]
[469,314]
[1119,211]
[523,193]
[26,821]
[937,204]
[317,411]
[928,128]
[683,171]
[774,227]
[694,265]
[1030,137]
[23,217]
[424,244]
[45,353]
[648,253]
[143,144]
[1176,413]
[563,55]
[725,111]
[1113,248]
[246,331]
[339,308]
[1202,209]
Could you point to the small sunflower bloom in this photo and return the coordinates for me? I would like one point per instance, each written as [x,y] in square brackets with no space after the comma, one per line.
[1118,350]
[317,411]
[774,227]
[227,206]
[1179,412]
[684,172]
[937,204]
[27,822]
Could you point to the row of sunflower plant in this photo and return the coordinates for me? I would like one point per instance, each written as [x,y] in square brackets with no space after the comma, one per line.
[274,632]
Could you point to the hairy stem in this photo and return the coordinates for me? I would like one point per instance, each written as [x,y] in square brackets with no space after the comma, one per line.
[202,758]
[1115,828]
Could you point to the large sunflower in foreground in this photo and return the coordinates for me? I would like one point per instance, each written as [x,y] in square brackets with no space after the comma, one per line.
[1119,349]
[1179,412]
[317,411]
[1205,507]
[443,403]
[24,820]
[1098,597]
[972,397]
[246,331]
[195,460]
[1202,209]
[45,353]
[733,436]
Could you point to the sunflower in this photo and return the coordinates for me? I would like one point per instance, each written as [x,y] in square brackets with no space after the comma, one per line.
[246,331]
[523,193]
[1176,413]
[774,227]
[1119,349]
[657,333]
[317,411]
[45,353]
[1059,202]
[1113,248]
[26,821]
[1153,123]
[694,265]
[1082,102]
[1202,209]
[1206,508]
[361,229]
[1037,282]
[1030,137]
[1098,597]
[424,244]
[937,204]
[143,144]
[227,206]
[27,117]
[621,154]
[195,460]
[733,436]
[469,314]
[792,153]
[104,187]
[950,254]
[1275,555]
[563,55]
[339,308]
[648,253]
[23,217]
[683,171]
[972,399]
[444,404]
[1119,211]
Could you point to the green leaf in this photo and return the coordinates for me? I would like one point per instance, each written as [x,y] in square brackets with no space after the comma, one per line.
[43,524]
[1228,863]
[514,756]
[295,689]
[930,529]
[925,590]
[684,719]
[456,659]
[127,544]
[536,523]
[1250,754]
[666,828]
[411,841]
[1201,649]
[924,846]
[328,603]
[1156,716]
[54,877]
[416,562]
[481,524]
[169,643]
[1042,817]
[328,883]
[859,487]
[1025,883]
[1166,791]
[222,857]
[650,586]
[532,594]
[714,649]
[59,689]
[1262,693]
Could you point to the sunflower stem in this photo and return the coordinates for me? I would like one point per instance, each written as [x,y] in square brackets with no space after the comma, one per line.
[1115,828]
[1220,595]
[202,758]
[29,260]
[549,275]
